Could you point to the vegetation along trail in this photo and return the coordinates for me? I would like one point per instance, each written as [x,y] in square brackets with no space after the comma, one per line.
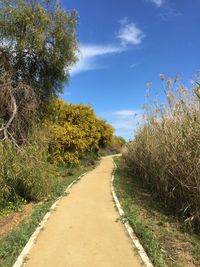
[85,230]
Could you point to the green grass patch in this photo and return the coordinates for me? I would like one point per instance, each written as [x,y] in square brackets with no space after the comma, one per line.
[12,244]
[7,207]
[163,236]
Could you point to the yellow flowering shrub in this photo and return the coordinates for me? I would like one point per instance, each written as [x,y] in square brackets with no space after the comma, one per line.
[106,133]
[75,130]
[66,143]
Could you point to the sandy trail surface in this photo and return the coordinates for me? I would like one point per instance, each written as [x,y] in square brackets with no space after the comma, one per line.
[84,230]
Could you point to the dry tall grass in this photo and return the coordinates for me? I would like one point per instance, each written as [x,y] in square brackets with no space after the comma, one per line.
[25,173]
[165,153]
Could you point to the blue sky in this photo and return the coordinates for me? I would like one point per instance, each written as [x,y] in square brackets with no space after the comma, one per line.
[124,44]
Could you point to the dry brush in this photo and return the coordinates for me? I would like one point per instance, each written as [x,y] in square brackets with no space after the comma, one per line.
[165,153]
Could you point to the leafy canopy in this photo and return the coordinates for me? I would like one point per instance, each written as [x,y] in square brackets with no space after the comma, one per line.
[38,43]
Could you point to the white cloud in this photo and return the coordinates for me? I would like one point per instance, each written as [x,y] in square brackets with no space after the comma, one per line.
[124,121]
[89,54]
[125,112]
[157,3]
[129,33]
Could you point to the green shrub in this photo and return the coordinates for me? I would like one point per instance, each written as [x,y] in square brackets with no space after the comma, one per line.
[25,173]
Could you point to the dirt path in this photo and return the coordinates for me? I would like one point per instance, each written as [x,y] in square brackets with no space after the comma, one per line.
[83,230]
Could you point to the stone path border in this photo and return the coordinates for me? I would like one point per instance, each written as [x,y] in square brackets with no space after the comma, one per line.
[147,262]
[23,255]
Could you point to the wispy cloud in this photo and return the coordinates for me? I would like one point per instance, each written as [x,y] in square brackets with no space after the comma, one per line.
[157,3]
[166,8]
[169,12]
[89,55]
[129,33]
[124,121]
[125,112]
[133,65]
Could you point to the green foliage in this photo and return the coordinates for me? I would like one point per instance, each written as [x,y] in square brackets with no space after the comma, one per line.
[25,173]
[37,49]
[166,152]
[38,43]
[9,206]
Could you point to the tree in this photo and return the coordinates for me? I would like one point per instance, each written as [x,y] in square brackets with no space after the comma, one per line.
[38,43]
[37,47]
[17,109]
